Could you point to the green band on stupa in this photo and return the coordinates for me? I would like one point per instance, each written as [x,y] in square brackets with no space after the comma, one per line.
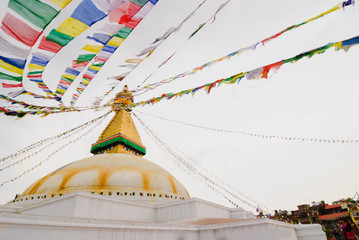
[117,139]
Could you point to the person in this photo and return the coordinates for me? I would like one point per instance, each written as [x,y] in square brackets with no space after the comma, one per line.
[342,227]
[337,232]
[355,230]
[348,230]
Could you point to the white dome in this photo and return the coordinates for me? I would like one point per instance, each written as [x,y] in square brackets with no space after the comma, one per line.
[115,175]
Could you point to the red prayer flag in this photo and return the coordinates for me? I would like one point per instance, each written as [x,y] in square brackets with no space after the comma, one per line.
[101,59]
[129,9]
[49,46]
[65,82]
[133,23]
[87,76]
[5,85]
[274,66]
[19,30]
[270,38]
[76,65]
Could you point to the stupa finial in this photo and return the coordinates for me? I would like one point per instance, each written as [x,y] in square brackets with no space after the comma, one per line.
[123,100]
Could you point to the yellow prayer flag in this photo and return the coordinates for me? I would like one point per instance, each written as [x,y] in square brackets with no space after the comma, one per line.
[35,67]
[336,7]
[61,91]
[70,76]
[115,41]
[134,60]
[338,45]
[61,3]
[95,68]
[72,27]
[11,68]
[85,82]
[92,48]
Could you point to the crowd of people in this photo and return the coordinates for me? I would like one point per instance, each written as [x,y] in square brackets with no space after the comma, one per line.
[344,230]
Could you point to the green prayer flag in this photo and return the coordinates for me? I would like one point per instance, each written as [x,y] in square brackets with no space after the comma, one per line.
[67,79]
[139,2]
[36,12]
[9,77]
[124,32]
[59,38]
[35,72]
[85,58]
[98,64]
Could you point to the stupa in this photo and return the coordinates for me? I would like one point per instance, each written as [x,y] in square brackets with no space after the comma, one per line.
[117,194]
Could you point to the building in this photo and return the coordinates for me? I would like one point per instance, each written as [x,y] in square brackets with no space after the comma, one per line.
[117,194]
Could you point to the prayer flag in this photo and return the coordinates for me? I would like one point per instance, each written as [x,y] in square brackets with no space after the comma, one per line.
[109,5]
[5,85]
[128,10]
[61,3]
[76,64]
[85,58]
[10,67]
[92,48]
[100,38]
[124,32]
[132,23]
[10,77]
[19,30]
[36,12]
[143,11]
[111,28]
[49,46]
[39,61]
[115,41]
[134,60]
[139,2]
[110,49]
[72,27]
[20,63]
[72,71]
[8,47]
[274,66]
[33,67]
[59,38]
[88,13]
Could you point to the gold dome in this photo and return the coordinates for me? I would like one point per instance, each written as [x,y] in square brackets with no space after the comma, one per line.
[111,174]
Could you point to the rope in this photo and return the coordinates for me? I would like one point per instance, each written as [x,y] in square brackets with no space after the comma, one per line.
[272,137]
[194,172]
[50,155]
[58,138]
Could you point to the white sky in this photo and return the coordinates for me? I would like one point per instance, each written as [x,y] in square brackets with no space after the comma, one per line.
[313,98]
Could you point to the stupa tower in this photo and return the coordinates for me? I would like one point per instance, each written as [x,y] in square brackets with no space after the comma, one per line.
[117,169]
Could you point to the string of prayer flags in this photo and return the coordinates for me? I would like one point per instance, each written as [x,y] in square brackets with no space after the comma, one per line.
[197,171]
[83,17]
[251,47]
[257,73]
[128,15]
[51,154]
[114,35]
[40,110]
[146,52]
[21,26]
[195,32]
[248,134]
[47,142]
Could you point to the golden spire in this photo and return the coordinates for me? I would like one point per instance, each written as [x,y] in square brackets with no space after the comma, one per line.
[120,135]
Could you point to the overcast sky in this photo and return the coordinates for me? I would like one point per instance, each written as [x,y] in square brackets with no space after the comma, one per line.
[313,98]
